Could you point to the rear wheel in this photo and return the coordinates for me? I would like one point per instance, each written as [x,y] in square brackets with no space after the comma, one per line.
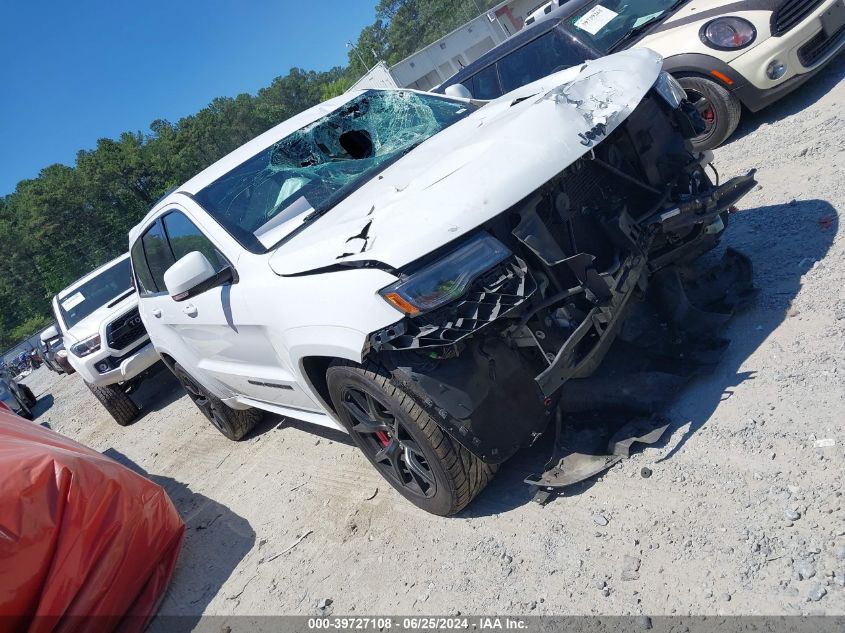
[117,402]
[232,423]
[403,442]
[718,107]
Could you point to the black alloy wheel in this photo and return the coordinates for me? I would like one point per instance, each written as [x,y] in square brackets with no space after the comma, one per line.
[200,398]
[389,444]
[233,423]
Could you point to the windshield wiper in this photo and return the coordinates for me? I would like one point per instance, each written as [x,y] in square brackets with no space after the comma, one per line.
[642,27]
[121,298]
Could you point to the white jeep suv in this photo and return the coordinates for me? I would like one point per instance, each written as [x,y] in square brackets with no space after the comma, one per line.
[424,273]
[105,337]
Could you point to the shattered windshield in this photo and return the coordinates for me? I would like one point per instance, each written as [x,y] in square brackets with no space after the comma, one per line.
[316,167]
[607,23]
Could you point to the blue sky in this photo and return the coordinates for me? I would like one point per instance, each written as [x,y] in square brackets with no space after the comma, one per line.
[74,72]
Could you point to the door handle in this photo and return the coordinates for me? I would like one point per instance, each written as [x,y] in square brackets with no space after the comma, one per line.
[190,310]
[157,314]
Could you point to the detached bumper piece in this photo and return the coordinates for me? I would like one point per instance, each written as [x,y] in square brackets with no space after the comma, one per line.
[669,337]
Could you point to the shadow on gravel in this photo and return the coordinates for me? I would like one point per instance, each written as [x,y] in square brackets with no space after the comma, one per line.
[791,248]
[796,101]
[216,541]
[314,429]
[158,392]
[43,405]
[782,252]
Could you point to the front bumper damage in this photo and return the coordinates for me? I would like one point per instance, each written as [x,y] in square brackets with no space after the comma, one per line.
[600,253]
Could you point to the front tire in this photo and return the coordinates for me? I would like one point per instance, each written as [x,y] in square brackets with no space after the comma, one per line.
[117,402]
[403,442]
[232,423]
[719,108]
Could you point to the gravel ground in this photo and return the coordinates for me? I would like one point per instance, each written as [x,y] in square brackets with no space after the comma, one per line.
[743,514]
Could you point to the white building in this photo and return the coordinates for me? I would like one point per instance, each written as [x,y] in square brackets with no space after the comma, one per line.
[434,64]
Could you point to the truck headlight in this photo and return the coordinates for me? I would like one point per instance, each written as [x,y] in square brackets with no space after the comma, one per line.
[669,88]
[728,33]
[447,278]
[86,346]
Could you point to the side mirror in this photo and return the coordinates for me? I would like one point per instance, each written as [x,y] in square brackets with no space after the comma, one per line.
[192,275]
[50,333]
[458,91]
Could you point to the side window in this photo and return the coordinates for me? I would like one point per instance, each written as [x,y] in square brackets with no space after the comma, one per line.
[186,237]
[159,257]
[537,59]
[485,85]
[146,285]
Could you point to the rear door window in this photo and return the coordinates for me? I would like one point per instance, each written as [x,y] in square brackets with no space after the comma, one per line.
[146,285]
[158,254]
[537,59]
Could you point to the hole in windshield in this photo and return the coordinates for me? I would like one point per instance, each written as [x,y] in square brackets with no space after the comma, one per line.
[325,161]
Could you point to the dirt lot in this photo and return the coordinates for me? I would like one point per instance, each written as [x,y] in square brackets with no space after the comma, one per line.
[743,514]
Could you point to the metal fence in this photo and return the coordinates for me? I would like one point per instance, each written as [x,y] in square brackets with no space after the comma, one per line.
[24,346]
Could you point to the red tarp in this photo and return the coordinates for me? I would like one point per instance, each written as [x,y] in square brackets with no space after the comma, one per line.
[85,543]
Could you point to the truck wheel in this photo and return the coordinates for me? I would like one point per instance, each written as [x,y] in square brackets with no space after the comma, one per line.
[718,107]
[31,400]
[117,402]
[403,442]
[232,423]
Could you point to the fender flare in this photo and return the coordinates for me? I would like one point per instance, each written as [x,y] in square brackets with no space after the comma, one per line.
[703,66]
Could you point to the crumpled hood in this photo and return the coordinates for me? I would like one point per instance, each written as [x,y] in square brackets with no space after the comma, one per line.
[475,169]
[90,325]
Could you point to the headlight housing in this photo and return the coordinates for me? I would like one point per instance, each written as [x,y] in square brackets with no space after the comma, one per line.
[728,33]
[669,88]
[446,279]
[86,346]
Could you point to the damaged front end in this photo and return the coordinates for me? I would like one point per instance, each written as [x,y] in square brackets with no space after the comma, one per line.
[571,268]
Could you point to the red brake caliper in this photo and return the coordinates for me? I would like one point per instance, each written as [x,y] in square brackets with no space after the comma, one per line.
[383,438]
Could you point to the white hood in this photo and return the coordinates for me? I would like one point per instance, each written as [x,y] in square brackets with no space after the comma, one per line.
[475,169]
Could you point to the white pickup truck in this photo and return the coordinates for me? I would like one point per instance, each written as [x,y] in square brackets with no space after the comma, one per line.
[105,337]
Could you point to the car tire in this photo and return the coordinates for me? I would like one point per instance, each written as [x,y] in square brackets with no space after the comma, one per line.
[117,402]
[233,423]
[719,108]
[31,400]
[403,441]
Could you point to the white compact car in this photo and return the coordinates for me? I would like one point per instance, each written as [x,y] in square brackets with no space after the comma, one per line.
[105,337]
[726,54]
[423,273]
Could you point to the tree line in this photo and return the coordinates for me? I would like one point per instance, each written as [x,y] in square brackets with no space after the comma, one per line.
[71,219]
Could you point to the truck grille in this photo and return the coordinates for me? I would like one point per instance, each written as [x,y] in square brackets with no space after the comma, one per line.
[125,330]
[819,46]
[790,13]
